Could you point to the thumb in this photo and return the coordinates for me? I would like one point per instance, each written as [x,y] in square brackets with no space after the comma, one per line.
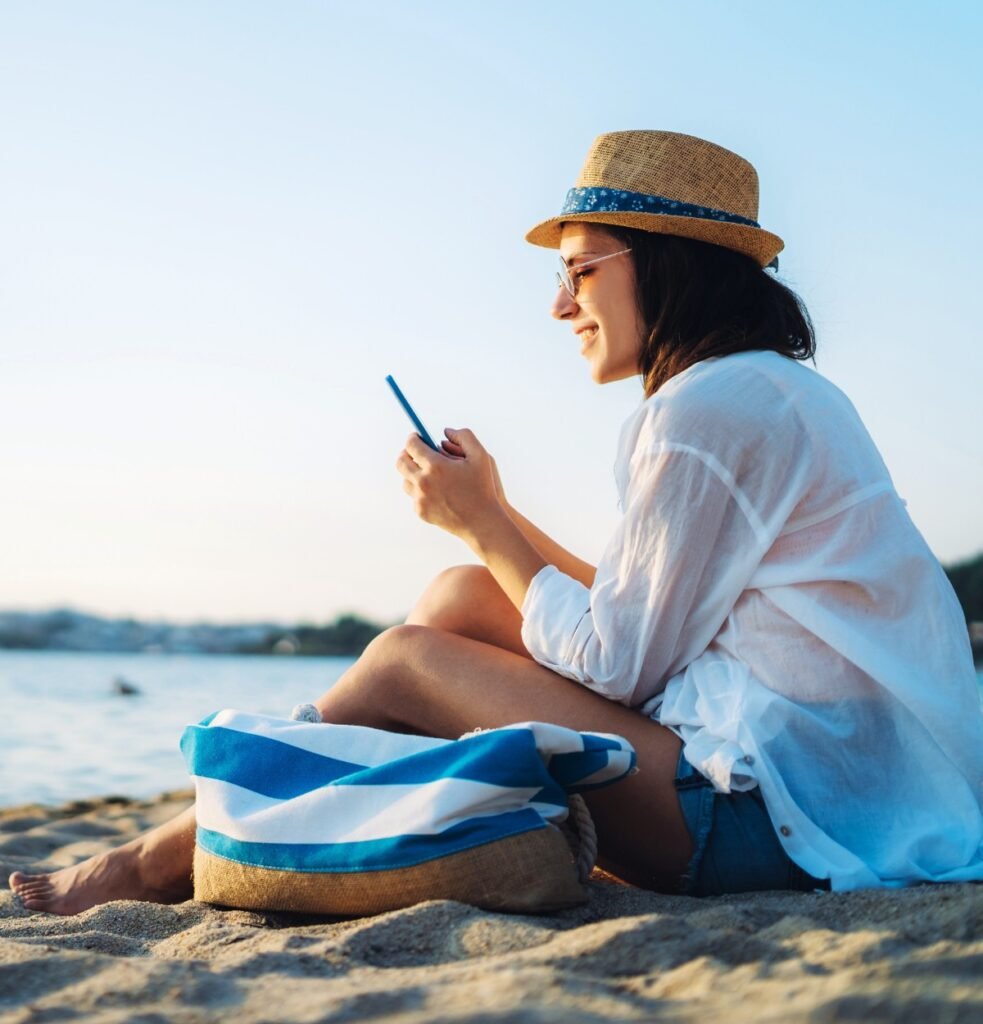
[463,438]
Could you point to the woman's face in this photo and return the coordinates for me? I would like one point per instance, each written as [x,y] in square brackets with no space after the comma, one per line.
[604,315]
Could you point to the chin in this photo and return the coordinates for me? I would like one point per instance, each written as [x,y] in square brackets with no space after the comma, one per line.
[605,375]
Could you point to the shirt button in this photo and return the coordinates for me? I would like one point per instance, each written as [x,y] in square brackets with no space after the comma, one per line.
[785,830]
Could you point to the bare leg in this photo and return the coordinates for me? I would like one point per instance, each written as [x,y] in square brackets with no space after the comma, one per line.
[467,600]
[423,680]
[458,663]
[155,866]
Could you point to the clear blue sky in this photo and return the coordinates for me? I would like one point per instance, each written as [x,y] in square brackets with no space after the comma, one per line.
[223,223]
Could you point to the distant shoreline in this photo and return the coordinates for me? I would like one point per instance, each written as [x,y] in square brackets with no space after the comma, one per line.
[347,637]
[64,629]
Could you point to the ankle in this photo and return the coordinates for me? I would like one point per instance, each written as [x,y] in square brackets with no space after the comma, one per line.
[159,871]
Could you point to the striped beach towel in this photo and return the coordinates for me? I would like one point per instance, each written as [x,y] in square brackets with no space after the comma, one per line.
[349,820]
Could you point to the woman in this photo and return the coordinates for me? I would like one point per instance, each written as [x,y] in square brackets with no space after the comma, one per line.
[766,626]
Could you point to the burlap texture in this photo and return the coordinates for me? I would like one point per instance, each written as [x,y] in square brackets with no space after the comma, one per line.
[527,873]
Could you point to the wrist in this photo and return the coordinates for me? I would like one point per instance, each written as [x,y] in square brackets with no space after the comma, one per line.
[487,536]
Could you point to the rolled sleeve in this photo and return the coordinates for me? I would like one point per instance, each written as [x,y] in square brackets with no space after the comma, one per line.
[683,552]
[553,611]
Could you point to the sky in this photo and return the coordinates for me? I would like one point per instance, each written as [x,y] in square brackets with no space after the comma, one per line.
[222,224]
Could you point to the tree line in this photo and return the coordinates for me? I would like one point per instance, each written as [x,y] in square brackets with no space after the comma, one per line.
[967,581]
[347,636]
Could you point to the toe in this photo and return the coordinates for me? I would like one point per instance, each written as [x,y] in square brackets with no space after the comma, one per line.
[19,879]
[33,890]
[30,886]
[35,902]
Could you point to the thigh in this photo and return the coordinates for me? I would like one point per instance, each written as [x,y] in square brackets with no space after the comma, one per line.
[424,680]
[466,600]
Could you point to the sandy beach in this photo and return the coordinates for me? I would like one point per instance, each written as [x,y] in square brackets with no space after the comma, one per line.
[901,955]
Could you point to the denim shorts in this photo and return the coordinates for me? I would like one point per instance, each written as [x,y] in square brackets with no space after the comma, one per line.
[735,846]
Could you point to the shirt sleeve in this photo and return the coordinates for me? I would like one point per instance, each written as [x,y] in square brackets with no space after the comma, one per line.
[686,546]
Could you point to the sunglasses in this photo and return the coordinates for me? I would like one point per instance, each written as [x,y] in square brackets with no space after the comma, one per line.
[572,284]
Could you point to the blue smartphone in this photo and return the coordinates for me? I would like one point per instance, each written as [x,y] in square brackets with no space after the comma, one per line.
[420,428]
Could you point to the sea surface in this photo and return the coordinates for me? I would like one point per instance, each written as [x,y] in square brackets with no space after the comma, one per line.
[66,735]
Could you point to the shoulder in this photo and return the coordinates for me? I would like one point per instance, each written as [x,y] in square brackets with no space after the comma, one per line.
[737,382]
[739,401]
[757,417]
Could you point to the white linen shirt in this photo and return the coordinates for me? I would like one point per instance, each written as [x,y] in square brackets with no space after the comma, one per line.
[767,597]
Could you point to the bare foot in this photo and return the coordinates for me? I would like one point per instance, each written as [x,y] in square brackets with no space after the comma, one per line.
[114,875]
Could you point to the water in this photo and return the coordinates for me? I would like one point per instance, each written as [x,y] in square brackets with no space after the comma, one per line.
[65,735]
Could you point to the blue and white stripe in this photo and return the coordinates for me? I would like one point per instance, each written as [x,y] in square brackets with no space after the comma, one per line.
[314,797]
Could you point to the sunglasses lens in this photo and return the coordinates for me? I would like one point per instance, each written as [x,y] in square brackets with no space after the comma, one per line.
[563,276]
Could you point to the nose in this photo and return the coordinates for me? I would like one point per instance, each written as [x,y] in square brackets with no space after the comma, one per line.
[563,306]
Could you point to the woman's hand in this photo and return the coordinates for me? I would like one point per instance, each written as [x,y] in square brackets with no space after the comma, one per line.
[453,449]
[457,489]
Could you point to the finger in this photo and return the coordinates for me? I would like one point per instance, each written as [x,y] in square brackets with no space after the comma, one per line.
[419,450]
[406,465]
[467,440]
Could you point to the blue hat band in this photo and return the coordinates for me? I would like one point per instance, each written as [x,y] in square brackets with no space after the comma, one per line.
[609,200]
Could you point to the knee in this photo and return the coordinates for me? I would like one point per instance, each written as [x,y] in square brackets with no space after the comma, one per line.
[388,655]
[393,641]
[450,596]
[380,681]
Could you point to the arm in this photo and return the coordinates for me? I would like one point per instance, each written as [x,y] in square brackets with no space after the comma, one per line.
[670,575]
[509,556]
[554,554]
[564,560]
[459,491]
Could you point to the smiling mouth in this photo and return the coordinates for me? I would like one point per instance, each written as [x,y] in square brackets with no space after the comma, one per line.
[587,338]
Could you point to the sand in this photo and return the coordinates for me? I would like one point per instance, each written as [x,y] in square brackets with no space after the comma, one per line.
[898,955]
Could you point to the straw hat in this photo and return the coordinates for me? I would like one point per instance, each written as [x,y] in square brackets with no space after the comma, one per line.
[669,183]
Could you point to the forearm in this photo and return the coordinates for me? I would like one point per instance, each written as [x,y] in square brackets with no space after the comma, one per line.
[507,553]
[554,554]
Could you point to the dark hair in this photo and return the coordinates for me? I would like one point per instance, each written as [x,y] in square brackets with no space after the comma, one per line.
[699,300]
